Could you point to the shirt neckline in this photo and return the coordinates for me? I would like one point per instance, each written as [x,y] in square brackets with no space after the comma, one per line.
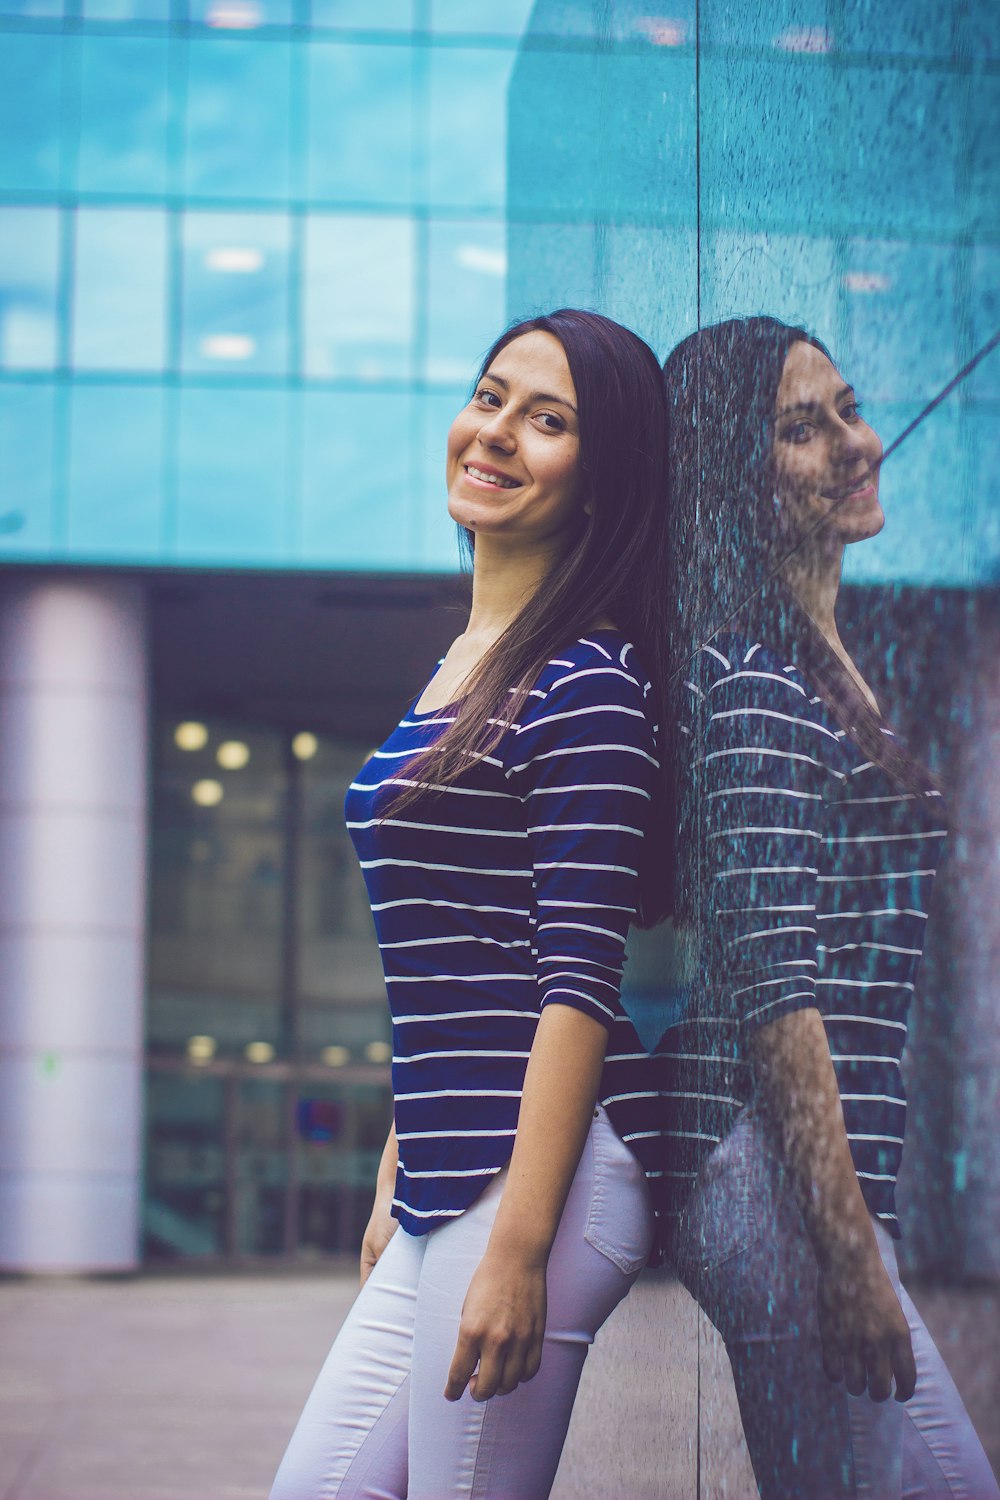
[433,713]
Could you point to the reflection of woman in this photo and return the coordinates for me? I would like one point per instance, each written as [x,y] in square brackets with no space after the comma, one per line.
[809,840]
[500,829]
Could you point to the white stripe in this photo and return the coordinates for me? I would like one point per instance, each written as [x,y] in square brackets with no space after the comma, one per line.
[873,1099]
[890,838]
[874,947]
[462,1172]
[771,713]
[550,995]
[584,786]
[573,864]
[719,657]
[512,911]
[427,1213]
[576,713]
[767,870]
[581,927]
[461,1015]
[807,760]
[422,864]
[868,1021]
[765,791]
[728,833]
[878,1176]
[863,1057]
[752,937]
[447,1135]
[892,1140]
[456,978]
[430,786]
[584,750]
[781,1000]
[763,984]
[582,827]
[461,1094]
[868,984]
[885,911]
[486,833]
[457,1052]
[766,676]
[464,937]
[752,652]
[884,875]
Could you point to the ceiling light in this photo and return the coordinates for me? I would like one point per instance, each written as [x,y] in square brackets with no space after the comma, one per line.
[190,736]
[201,1049]
[230,346]
[335,1057]
[304,745]
[378,1052]
[232,755]
[237,260]
[258,1052]
[207,793]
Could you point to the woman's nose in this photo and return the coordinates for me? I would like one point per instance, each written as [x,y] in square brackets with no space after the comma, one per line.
[496,432]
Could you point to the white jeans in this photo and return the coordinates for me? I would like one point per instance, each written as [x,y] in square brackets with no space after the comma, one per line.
[376,1425]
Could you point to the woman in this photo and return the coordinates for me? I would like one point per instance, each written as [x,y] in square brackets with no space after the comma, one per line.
[500,830]
[808,839]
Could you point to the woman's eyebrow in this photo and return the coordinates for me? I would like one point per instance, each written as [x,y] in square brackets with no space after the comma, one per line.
[810,406]
[545,396]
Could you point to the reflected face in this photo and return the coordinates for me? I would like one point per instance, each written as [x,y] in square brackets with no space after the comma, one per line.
[825,454]
[514,452]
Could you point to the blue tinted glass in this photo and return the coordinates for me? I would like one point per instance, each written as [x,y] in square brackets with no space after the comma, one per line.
[115,472]
[551,265]
[387,15]
[360,123]
[31,8]
[238,119]
[981,433]
[465,296]
[982,210]
[466,126]
[241,15]
[921,489]
[554,135]
[881,283]
[506,20]
[358,285]
[123,115]
[638,22]
[357,480]
[232,477]
[126,10]
[785,26]
[235,293]
[29,287]
[647,172]
[120,289]
[27,465]
[882,26]
[29,110]
[984,293]
[650,282]
[436,544]
[796,277]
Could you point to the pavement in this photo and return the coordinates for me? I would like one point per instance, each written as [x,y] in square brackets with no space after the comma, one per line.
[187,1387]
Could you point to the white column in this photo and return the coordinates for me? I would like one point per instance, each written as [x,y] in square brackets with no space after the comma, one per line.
[73,794]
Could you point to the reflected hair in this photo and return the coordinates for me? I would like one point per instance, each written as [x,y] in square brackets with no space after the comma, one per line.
[721,386]
[613,566]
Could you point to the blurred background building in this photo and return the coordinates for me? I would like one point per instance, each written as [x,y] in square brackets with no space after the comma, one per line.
[250,254]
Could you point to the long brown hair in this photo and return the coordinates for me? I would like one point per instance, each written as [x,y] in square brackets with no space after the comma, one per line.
[614,565]
[721,387]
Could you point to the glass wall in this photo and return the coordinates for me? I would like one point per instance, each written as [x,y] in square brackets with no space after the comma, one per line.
[250,252]
[268,1029]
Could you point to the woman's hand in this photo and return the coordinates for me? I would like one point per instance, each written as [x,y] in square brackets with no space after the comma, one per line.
[866,1340]
[381,1228]
[502,1327]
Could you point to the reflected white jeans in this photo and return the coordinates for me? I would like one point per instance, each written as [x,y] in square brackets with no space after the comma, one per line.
[744,1254]
[376,1425]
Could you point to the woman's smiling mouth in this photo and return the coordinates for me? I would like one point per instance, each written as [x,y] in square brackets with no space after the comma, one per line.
[491,477]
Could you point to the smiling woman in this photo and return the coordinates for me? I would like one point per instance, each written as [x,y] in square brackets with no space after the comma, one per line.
[501,831]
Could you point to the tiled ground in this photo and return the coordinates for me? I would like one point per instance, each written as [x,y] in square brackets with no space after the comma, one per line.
[186,1388]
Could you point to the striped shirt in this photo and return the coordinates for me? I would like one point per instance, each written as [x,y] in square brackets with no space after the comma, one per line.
[814,879]
[508,891]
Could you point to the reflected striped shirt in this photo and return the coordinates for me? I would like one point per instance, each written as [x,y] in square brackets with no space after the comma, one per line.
[508,891]
[814,881]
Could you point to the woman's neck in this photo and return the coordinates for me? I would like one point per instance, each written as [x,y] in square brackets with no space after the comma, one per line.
[813,575]
[503,582]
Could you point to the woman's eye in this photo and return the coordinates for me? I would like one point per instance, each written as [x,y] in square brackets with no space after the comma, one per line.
[550,421]
[487,397]
[798,432]
[852,411]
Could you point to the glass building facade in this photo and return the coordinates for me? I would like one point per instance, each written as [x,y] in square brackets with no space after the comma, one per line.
[250,254]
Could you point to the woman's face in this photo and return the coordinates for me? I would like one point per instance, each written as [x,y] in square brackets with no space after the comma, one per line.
[825,455]
[514,452]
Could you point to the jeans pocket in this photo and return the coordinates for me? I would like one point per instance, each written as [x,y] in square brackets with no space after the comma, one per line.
[620,1220]
[720,1219]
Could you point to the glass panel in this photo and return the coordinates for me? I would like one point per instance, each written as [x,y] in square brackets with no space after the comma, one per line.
[466,162]
[120,289]
[30,76]
[124,110]
[241,15]
[29,288]
[235,293]
[387,15]
[341,986]
[357,479]
[465,296]
[126,10]
[361,138]
[233,150]
[233,482]
[30,8]
[184,1210]
[27,469]
[506,20]
[438,536]
[261,1166]
[215,956]
[552,121]
[341,1131]
[115,472]
[358,314]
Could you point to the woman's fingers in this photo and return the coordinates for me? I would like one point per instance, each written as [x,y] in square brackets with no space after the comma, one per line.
[904,1367]
[463,1364]
[879,1363]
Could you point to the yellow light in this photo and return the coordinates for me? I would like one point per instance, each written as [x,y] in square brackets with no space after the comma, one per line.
[378,1052]
[207,793]
[232,755]
[335,1057]
[201,1049]
[304,745]
[234,260]
[190,736]
[229,346]
[258,1052]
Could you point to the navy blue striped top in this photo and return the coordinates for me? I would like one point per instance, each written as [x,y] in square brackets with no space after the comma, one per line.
[814,882]
[510,890]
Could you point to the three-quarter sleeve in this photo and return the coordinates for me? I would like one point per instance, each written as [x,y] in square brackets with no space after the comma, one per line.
[764,776]
[583,761]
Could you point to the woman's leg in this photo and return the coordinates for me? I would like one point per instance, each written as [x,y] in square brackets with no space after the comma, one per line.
[351,1439]
[745,1255]
[508,1448]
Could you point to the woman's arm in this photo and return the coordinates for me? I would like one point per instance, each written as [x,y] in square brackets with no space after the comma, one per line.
[381,1226]
[866,1341]
[503,1318]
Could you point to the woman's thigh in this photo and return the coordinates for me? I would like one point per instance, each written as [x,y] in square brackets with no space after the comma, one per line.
[351,1439]
[508,1448]
[744,1253]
